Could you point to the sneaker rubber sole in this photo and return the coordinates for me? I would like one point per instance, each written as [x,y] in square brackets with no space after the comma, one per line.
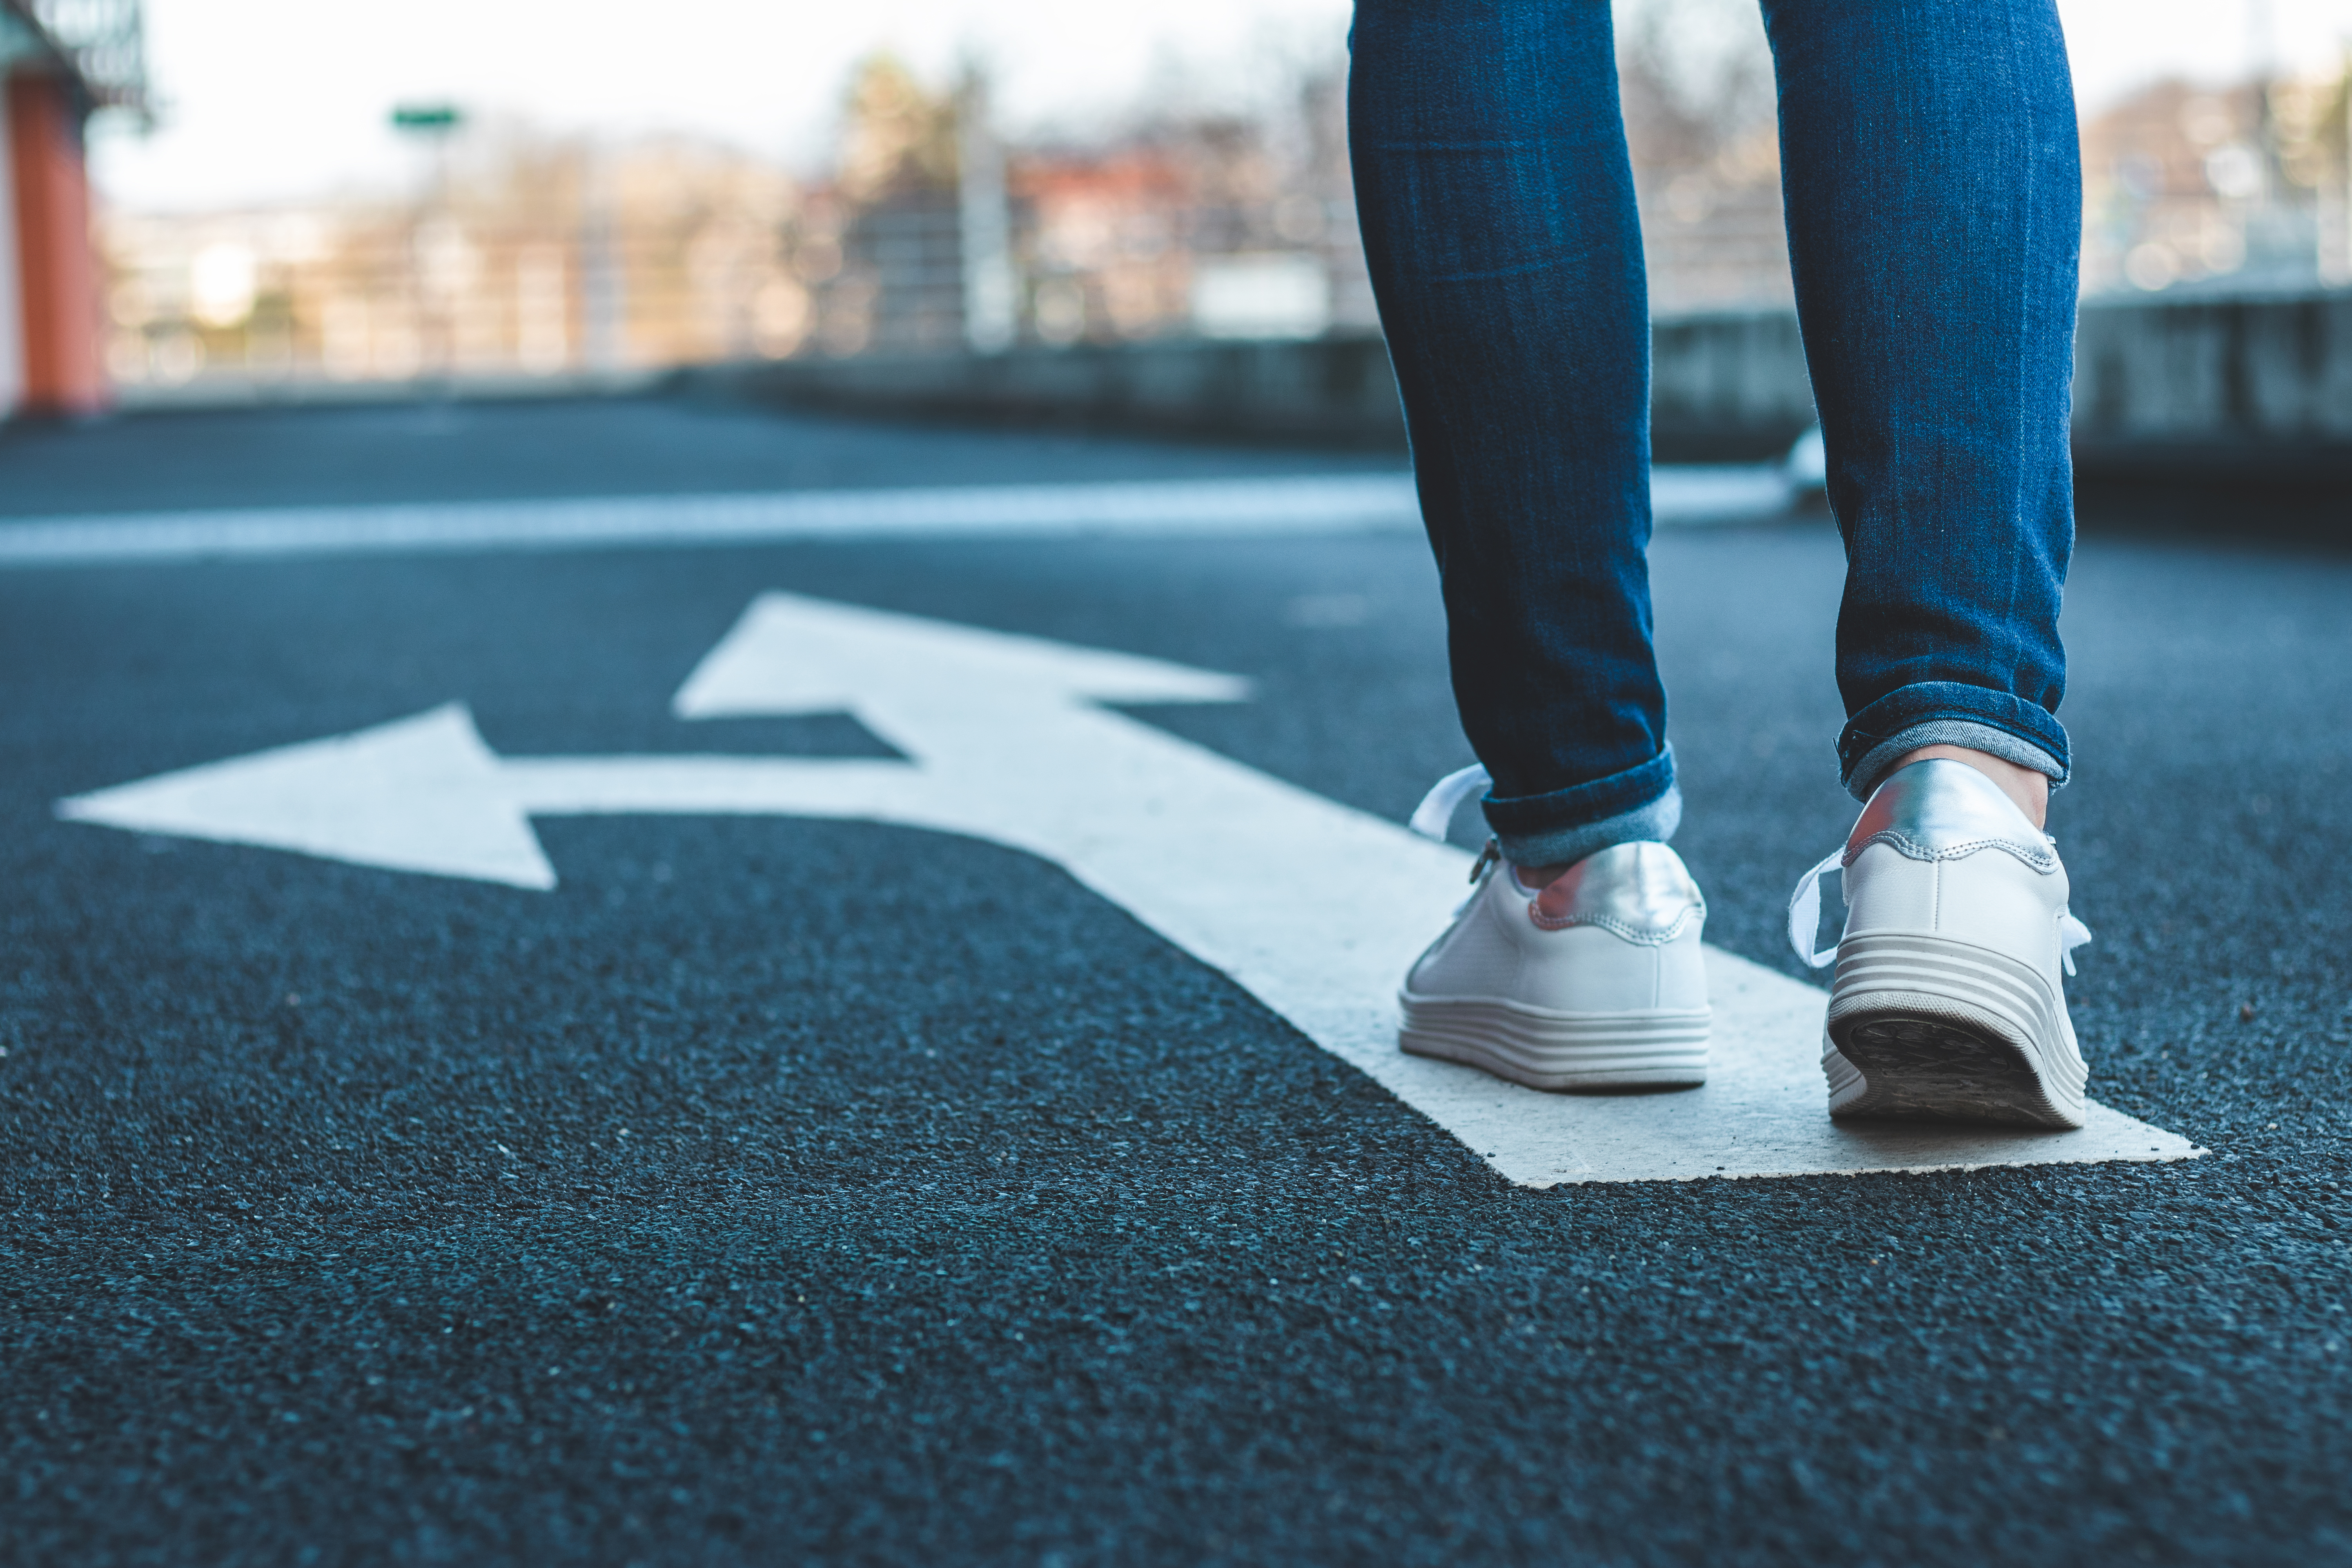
[1560,1050]
[1926,1028]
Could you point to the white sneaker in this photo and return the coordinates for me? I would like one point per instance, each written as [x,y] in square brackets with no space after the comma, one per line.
[1949,1004]
[1601,987]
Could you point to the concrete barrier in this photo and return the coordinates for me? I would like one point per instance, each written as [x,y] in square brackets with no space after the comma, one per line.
[2259,388]
[1728,387]
[1335,390]
[2219,384]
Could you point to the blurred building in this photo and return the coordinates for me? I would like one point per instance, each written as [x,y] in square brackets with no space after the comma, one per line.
[60,61]
[2238,190]
[883,245]
[1215,225]
[1696,80]
[1712,232]
[523,258]
[934,233]
[522,255]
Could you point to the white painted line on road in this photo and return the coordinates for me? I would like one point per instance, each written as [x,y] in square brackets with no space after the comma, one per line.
[1305,504]
[1313,906]
[1314,503]
[1718,492]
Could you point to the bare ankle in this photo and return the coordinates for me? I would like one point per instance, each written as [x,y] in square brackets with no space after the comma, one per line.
[2029,789]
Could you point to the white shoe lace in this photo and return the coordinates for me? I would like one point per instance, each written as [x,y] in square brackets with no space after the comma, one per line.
[1805,918]
[1434,815]
[1805,912]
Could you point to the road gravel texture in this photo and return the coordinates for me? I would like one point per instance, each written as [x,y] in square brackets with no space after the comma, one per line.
[777,1190]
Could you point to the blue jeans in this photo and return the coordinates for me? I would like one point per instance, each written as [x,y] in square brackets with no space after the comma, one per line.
[1933,189]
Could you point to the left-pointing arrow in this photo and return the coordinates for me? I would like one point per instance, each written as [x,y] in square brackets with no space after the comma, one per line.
[417,795]
[426,794]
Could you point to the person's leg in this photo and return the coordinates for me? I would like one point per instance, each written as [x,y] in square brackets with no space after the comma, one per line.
[1934,208]
[1497,209]
[1933,195]
[1497,205]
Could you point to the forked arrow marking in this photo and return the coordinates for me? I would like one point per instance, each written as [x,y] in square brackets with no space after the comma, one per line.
[977,712]
[1314,906]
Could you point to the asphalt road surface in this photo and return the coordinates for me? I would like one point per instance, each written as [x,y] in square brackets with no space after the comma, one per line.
[777,1190]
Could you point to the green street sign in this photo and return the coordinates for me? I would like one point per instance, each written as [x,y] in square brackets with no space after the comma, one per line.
[427,117]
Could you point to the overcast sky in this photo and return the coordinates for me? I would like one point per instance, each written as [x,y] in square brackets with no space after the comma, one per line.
[273,100]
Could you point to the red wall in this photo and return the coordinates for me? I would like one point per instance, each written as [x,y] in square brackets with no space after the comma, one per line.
[57,269]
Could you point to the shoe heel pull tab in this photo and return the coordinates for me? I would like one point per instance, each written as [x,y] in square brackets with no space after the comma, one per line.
[1805,913]
[1434,815]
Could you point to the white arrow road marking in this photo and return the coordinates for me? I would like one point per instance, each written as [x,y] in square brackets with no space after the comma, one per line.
[426,794]
[421,794]
[1315,908]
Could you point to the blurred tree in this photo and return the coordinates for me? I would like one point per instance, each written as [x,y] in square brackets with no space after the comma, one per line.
[896,140]
[1697,78]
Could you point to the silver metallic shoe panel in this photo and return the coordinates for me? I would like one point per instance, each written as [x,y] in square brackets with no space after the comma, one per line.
[1943,810]
[1638,891]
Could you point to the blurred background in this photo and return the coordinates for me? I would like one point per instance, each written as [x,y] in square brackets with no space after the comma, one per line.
[291,199]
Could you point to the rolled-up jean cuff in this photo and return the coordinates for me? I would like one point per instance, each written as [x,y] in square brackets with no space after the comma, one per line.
[1638,805]
[1948,713]
[1872,770]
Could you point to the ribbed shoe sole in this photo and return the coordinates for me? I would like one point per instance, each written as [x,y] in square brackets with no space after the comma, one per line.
[1925,1027]
[1560,1050]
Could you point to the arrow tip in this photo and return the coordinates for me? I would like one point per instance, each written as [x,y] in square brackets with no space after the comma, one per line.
[791,653]
[422,794]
